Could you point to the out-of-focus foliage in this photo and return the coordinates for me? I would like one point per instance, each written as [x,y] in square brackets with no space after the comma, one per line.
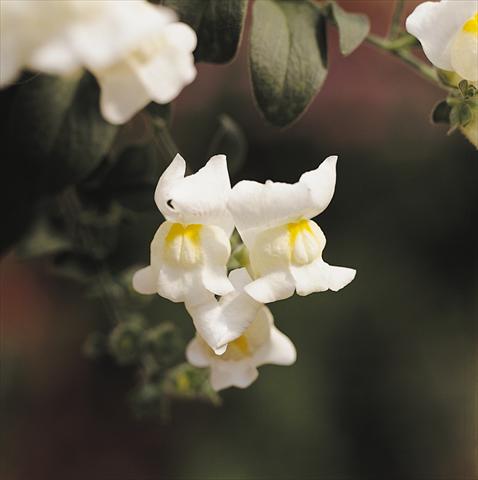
[218,25]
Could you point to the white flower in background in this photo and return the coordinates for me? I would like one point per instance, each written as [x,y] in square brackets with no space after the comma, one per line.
[285,246]
[448,32]
[190,250]
[138,51]
[260,343]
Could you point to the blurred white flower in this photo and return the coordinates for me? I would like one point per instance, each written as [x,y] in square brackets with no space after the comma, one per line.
[259,342]
[137,51]
[190,250]
[285,246]
[448,32]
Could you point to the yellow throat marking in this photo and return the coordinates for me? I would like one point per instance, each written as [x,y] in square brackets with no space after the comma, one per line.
[471,25]
[295,229]
[189,232]
[183,244]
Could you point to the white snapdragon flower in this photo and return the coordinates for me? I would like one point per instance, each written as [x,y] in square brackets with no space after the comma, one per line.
[137,51]
[285,246]
[448,32]
[259,343]
[190,250]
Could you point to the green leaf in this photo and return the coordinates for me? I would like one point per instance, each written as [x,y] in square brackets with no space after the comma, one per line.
[134,177]
[353,27]
[67,136]
[287,57]
[230,140]
[441,113]
[460,116]
[45,237]
[218,25]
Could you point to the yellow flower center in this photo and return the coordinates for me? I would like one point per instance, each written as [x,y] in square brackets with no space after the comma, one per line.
[305,246]
[471,25]
[237,350]
[183,244]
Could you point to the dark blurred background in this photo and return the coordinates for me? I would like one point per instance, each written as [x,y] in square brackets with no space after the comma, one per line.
[385,385]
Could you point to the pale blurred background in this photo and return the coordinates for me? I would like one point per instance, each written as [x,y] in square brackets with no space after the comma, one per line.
[385,385]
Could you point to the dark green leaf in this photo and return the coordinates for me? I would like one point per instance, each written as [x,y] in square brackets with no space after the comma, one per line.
[229,139]
[218,24]
[441,113]
[287,57]
[44,237]
[353,27]
[134,177]
[67,136]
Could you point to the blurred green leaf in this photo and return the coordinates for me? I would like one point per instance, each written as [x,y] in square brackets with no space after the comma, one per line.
[67,136]
[164,343]
[134,176]
[287,57]
[230,140]
[218,24]
[353,27]
[45,237]
[125,340]
[441,113]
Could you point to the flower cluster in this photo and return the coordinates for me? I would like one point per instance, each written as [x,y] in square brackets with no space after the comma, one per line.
[191,249]
[137,51]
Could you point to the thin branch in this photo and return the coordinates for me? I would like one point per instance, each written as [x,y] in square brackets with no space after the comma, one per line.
[398,48]
[395,26]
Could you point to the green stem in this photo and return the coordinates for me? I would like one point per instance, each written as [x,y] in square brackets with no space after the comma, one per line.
[398,49]
[163,140]
[395,26]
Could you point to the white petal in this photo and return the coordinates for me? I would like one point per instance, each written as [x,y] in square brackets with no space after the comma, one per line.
[122,94]
[165,74]
[435,25]
[221,322]
[240,278]
[232,374]
[145,281]
[339,277]
[319,276]
[464,55]
[208,323]
[111,33]
[54,56]
[200,198]
[271,287]
[175,172]
[279,350]
[216,249]
[257,206]
[197,353]
[321,183]
[179,285]
[181,36]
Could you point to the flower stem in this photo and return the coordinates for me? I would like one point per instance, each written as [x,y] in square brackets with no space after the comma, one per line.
[395,27]
[400,48]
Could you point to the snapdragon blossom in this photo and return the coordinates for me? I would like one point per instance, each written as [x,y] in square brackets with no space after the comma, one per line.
[259,343]
[190,250]
[137,51]
[448,32]
[285,246]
